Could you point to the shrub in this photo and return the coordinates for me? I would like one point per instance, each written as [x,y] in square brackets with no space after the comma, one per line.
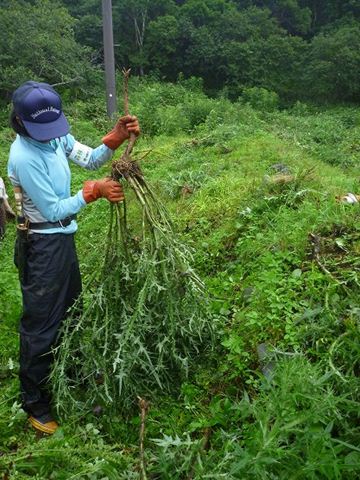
[261,98]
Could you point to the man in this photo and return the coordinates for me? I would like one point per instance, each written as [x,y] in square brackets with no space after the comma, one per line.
[5,209]
[45,251]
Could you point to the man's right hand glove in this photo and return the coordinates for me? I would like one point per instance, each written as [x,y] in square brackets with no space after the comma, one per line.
[121,131]
[103,188]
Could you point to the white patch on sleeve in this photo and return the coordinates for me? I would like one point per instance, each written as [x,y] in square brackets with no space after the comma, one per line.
[80,154]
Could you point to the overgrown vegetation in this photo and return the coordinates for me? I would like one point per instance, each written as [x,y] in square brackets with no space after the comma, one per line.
[252,191]
[144,318]
[301,49]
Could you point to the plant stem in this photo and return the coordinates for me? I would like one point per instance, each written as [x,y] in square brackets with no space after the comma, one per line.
[144,407]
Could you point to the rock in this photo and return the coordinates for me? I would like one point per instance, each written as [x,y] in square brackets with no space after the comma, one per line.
[267,366]
[97,410]
[280,168]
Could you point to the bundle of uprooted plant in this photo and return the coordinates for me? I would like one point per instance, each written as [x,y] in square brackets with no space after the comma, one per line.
[142,322]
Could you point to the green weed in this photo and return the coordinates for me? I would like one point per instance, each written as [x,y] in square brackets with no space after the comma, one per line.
[281,262]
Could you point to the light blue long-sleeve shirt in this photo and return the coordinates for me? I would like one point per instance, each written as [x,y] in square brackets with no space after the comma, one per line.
[42,171]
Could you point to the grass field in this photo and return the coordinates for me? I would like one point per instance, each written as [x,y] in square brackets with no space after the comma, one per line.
[279,398]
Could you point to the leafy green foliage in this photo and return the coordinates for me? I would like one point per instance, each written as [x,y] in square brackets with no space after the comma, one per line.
[333,70]
[268,437]
[298,49]
[260,98]
[280,395]
[45,49]
[145,319]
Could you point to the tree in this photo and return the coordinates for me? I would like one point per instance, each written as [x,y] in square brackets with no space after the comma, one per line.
[162,46]
[203,12]
[284,45]
[334,67]
[294,18]
[131,19]
[46,49]
[88,29]
[326,12]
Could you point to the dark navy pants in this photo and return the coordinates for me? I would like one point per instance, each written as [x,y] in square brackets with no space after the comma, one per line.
[50,283]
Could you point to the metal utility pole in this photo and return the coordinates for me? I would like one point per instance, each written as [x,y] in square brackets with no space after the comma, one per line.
[109,57]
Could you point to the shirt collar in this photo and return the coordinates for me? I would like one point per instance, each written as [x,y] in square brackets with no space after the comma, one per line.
[50,146]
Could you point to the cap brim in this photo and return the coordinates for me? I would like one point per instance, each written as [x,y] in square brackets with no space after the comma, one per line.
[47,131]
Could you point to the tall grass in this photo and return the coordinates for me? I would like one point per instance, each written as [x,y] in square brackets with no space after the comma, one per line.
[279,290]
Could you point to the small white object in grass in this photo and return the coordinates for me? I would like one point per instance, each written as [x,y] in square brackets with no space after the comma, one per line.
[246,211]
[350,198]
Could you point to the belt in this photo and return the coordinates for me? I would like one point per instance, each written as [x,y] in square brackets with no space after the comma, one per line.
[45,225]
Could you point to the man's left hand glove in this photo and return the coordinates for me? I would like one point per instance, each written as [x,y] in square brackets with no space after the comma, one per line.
[103,188]
[124,126]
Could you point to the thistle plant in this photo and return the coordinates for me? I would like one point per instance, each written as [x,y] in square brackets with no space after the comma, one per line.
[143,319]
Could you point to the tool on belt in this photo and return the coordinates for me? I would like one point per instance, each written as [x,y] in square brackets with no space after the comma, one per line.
[22,231]
[24,224]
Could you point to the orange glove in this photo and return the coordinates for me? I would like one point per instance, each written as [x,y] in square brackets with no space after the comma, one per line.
[124,126]
[103,188]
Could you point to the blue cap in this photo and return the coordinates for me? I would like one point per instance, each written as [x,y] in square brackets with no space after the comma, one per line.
[39,108]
